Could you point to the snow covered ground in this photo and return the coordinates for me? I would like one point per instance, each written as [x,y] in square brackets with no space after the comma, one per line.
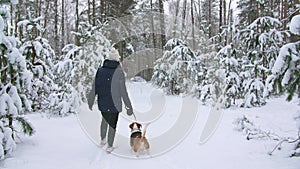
[69,143]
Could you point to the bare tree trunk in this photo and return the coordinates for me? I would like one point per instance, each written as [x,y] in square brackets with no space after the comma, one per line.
[281,9]
[209,19]
[36,8]
[17,16]
[193,25]
[102,10]
[258,13]
[200,14]
[175,27]
[39,13]
[12,18]
[162,23]
[152,27]
[21,13]
[229,18]
[62,24]
[249,16]
[271,4]
[224,12]
[183,19]
[2,70]
[106,9]
[77,42]
[56,43]
[197,11]
[285,12]
[89,11]
[94,12]
[46,11]
[40,7]
[220,16]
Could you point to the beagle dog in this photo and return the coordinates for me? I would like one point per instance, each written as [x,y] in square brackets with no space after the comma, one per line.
[138,141]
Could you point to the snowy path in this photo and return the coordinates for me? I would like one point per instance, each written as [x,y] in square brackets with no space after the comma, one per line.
[60,143]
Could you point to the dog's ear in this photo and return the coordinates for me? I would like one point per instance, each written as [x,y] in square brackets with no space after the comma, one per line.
[131,125]
[138,125]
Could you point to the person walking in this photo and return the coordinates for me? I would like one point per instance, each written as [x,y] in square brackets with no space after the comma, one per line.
[109,86]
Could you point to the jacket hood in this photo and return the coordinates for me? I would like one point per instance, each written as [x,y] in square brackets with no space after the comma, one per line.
[112,64]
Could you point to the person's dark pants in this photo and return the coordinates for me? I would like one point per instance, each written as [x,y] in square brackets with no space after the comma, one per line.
[111,120]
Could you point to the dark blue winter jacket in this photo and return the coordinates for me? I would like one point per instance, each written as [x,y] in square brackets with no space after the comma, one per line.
[110,87]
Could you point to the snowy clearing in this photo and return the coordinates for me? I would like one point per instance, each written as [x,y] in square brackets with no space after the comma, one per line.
[62,143]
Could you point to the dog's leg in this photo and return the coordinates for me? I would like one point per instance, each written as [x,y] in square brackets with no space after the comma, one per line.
[147,146]
[137,154]
[137,146]
[131,150]
[136,151]
[146,143]
[131,141]
[148,152]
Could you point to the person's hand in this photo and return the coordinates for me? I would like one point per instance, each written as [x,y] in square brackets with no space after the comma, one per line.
[129,112]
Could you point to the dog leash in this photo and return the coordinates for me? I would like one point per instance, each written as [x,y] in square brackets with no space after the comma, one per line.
[134,116]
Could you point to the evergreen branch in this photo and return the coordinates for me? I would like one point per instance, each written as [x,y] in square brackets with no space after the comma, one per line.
[26,126]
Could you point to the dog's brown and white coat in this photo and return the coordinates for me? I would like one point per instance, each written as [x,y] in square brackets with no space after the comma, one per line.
[138,141]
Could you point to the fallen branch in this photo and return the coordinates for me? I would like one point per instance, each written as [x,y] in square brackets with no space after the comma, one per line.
[245,125]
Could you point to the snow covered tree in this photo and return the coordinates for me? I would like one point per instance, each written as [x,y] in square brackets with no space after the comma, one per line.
[40,56]
[229,64]
[175,69]
[287,65]
[206,66]
[95,48]
[198,74]
[211,86]
[259,42]
[64,98]
[15,78]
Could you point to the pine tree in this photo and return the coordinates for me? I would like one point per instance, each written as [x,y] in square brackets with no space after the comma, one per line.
[229,64]
[95,48]
[198,74]
[208,85]
[15,78]
[259,41]
[40,56]
[64,98]
[287,65]
[175,70]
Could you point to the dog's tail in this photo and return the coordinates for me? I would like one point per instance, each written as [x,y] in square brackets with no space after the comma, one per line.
[145,129]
